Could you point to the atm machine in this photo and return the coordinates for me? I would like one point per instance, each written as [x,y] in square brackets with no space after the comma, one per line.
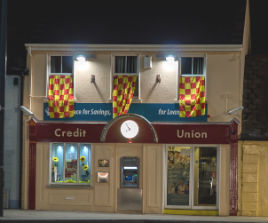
[129,195]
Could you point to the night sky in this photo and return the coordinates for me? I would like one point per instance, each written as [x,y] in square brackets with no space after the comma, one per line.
[121,22]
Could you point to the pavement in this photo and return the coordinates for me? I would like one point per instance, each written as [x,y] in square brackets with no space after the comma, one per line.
[12,215]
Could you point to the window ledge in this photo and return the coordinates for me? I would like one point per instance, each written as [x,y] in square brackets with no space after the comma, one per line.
[74,186]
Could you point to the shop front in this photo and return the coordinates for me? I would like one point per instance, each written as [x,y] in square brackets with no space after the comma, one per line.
[133,165]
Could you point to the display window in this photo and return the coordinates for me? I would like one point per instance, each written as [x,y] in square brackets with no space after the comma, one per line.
[70,163]
[192,177]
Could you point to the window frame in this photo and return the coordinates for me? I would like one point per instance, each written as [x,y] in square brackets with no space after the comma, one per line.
[192,75]
[135,98]
[191,205]
[78,165]
[48,69]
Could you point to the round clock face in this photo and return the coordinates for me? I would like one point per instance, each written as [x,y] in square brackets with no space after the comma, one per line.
[129,129]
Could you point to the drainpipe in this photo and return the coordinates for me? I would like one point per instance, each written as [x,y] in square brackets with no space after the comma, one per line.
[2,95]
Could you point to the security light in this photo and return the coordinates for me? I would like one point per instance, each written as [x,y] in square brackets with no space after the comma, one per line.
[231,111]
[170,58]
[80,58]
[26,111]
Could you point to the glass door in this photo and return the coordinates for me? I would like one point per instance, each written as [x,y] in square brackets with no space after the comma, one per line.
[205,176]
[191,177]
[178,175]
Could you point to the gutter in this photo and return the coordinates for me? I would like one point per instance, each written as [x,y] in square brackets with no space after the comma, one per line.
[135,47]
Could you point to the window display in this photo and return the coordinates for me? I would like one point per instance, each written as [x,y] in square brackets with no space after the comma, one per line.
[70,163]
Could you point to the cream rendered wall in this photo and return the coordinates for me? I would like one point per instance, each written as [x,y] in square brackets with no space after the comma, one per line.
[101,196]
[223,82]
[223,86]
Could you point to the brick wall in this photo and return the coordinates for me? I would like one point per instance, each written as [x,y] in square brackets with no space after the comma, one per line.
[255,98]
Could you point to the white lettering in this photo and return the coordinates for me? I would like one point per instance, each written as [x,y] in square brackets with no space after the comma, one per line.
[192,134]
[76,133]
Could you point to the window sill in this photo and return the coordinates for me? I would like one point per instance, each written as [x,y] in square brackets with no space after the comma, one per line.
[74,186]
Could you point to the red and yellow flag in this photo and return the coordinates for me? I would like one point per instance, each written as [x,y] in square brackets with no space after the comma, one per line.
[123,90]
[192,96]
[60,96]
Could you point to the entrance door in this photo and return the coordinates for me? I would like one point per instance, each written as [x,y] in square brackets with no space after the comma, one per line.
[191,177]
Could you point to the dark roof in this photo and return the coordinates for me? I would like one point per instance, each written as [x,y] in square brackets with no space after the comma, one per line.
[116,22]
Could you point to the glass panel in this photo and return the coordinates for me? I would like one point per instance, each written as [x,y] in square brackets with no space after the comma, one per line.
[186,65]
[57,163]
[178,175]
[55,66]
[131,64]
[85,163]
[120,62]
[205,180]
[67,64]
[198,65]
[71,163]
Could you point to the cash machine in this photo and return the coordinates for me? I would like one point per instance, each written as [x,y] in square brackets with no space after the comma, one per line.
[130,192]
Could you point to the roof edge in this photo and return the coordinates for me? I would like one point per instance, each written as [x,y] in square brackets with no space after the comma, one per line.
[134,47]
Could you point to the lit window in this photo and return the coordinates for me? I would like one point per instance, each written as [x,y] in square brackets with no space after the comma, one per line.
[70,163]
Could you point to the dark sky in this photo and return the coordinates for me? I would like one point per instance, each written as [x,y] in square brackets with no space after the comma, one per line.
[121,22]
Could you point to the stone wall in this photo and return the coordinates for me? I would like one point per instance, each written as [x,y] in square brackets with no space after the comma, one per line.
[255,102]
[252,178]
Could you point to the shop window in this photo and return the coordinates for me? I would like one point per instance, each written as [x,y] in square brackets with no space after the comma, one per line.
[70,163]
[192,177]
[127,66]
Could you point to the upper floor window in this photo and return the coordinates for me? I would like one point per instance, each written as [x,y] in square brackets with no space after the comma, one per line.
[193,66]
[127,66]
[61,64]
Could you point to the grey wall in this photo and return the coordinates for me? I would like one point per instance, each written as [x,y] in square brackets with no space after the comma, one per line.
[12,147]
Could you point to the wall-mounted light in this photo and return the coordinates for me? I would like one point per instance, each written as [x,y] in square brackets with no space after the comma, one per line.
[158,78]
[170,58]
[80,58]
[231,111]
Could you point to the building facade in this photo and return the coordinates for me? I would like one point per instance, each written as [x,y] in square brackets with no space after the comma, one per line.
[153,154]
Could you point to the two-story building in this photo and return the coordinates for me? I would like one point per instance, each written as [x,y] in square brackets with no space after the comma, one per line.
[148,128]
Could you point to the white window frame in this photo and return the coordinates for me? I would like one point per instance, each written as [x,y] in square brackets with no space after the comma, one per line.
[128,74]
[78,166]
[191,205]
[192,75]
[50,73]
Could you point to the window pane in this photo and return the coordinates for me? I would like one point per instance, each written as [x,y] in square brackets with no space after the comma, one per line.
[120,63]
[178,175]
[71,163]
[205,172]
[55,66]
[198,65]
[131,64]
[57,163]
[85,163]
[67,64]
[186,65]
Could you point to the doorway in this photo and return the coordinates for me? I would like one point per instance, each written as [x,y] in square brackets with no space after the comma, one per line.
[192,177]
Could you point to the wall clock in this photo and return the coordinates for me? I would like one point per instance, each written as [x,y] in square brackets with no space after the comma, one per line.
[129,129]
